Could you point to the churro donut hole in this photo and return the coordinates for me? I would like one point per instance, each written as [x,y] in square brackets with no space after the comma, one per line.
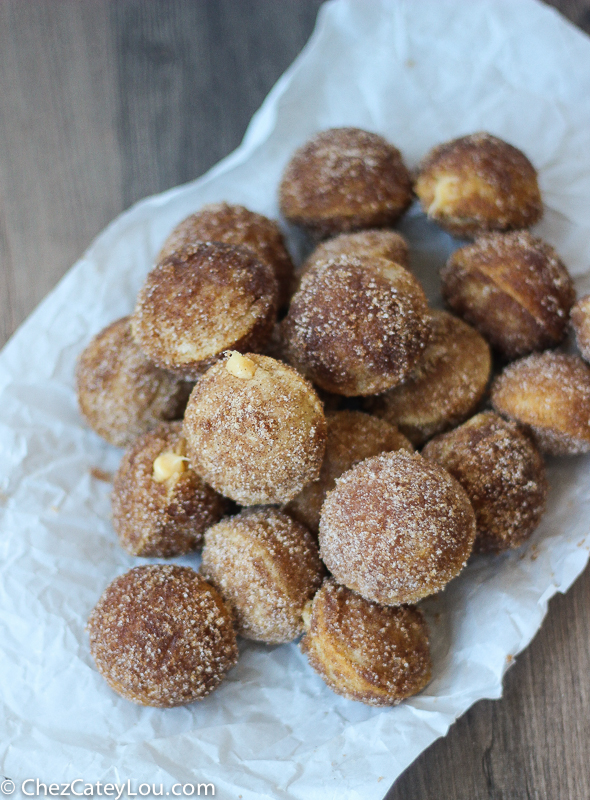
[446,385]
[121,394]
[503,474]
[344,179]
[357,326]
[255,429]
[201,300]
[479,183]
[266,567]
[161,507]
[234,224]
[365,651]
[161,636]
[549,394]
[513,288]
[580,319]
[352,437]
[396,528]
[380,243]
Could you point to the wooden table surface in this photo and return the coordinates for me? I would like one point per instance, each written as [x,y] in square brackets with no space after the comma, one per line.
[103,103]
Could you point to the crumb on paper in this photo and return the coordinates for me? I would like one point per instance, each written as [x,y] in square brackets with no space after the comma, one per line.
[509,658]
[101,475]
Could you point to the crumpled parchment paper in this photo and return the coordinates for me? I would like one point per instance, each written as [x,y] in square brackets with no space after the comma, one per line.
[418,73]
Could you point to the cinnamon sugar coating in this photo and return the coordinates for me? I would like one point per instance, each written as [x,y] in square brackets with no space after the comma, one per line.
[479,183]
[549,394]
[161,636]
[234,224]
[344,179]
[352,437]
[122,394]
[257,440]
[396,528]
[513,288]
[161,518]
[380,243]
[365,651]
[266,567]
[446,385]
[580,319]
[503,474]
[201,300]
[357,326]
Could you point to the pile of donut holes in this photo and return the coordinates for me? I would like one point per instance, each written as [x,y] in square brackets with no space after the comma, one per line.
[335,448]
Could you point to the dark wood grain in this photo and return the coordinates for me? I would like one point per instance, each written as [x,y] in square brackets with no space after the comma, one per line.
[577,11]
[194,73]
[105,102]
[60,164]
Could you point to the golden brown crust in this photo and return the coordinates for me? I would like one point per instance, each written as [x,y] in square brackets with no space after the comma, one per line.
[352,437]
[121,393]
[161,636]
[479,183]
[356,326]
[549,394]
[266,567]
[580,319]
[234,224]
[201,300]
[513,288]
[444,388]
[257,441]
[396,528]
[503,474]
[380,243]
[166,518]
[365,651]
[344,179]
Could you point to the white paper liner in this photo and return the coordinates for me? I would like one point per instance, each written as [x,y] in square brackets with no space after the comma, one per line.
[418,73]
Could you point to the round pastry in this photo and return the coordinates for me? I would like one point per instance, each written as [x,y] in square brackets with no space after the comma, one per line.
[479,183]
[549,394]
[233,224]
[161,507]
[503,474]
[267,567]
[513,288]
[344,179]
[381,243]
[352,437]
[444,388]
[396,528]
[356,326]
[580,319]
[120,393]
[200,301]
[365,651]
[161,636]
[255,429]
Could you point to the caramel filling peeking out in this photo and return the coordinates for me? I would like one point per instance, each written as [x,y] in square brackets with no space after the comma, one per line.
[168,465]
[306,614]
[240,366]
[446,191]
